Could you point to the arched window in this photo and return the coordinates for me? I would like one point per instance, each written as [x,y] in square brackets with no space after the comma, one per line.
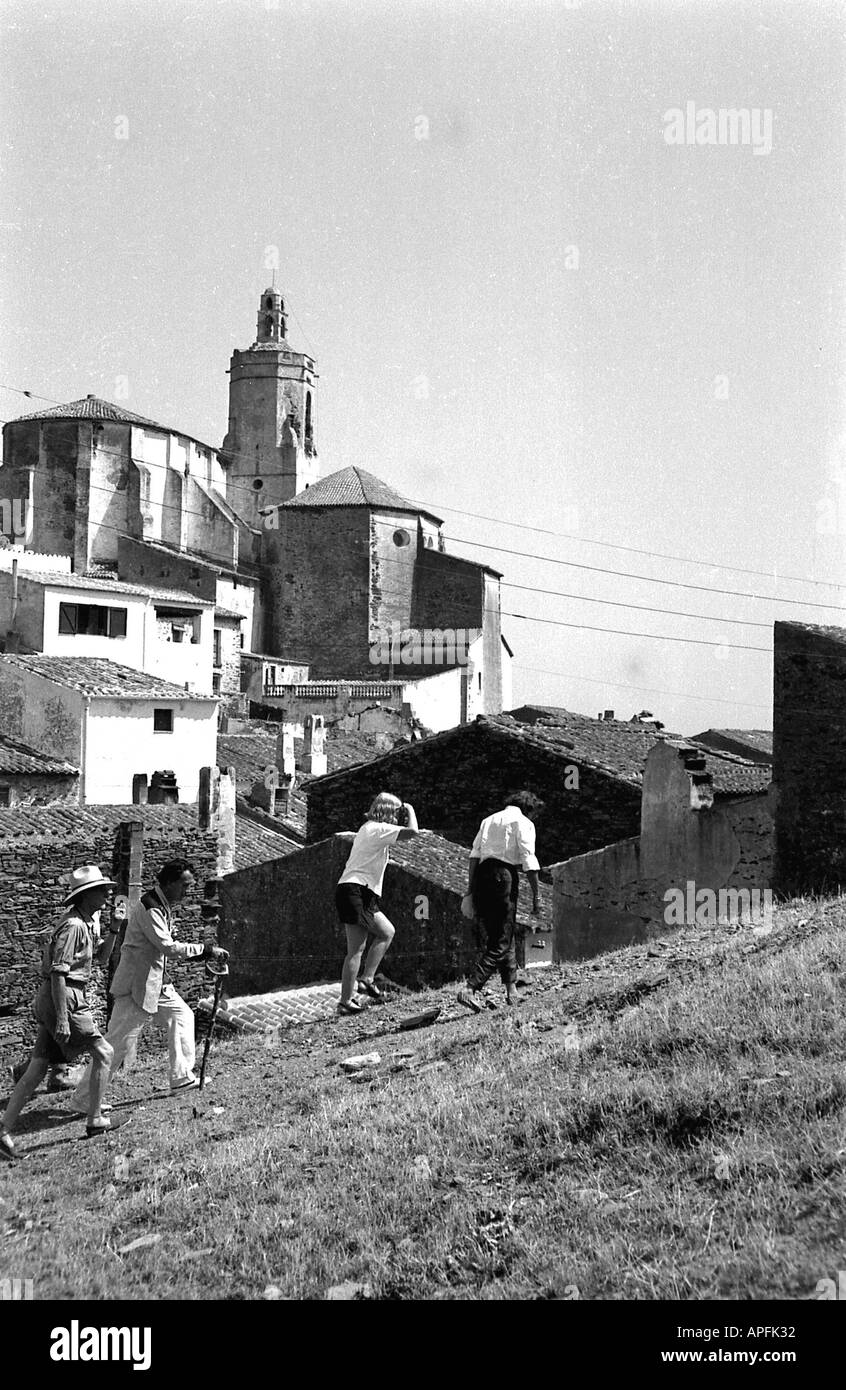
[268,327]
[308,415]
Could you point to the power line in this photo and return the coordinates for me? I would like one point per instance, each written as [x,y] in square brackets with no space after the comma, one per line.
[625,632]
[642,607]
[633,550]
[648,579]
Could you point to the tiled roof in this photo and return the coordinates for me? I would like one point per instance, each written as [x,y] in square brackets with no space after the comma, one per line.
[62,822]
[60,580]
[228,613]
[94,408]
[98,677]
[760,739]
[90,408]
[251,753]
[256,844]
[613,747]
[353,487]
[20,758]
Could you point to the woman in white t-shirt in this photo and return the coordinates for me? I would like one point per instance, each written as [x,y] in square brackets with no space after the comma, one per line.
[357,897]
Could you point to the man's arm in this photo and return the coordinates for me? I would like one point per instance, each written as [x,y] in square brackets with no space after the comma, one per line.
[58,989]
[153,924]
[528,862]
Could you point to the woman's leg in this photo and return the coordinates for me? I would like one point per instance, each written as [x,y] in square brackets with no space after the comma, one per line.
[356,941]
[381,936]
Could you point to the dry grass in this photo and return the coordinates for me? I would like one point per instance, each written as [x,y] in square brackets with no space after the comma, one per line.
[687,1146]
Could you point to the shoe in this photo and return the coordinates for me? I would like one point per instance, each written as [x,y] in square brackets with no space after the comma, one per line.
[469,1001]
[350,1007]
[105,1109]
[7,1147]
[189,1084]
[368,987]
[95,1131]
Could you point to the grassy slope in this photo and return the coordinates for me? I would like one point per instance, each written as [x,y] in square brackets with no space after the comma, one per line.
[648,1128]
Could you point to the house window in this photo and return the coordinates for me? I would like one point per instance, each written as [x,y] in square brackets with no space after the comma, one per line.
[216,684]
[5,795]
[402,538]
[218,646]
[91,620]
[162,721]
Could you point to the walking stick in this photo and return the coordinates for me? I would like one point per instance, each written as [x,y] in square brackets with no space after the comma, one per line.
[219,973]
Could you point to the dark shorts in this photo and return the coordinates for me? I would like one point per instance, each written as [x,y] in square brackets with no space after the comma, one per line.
[84,1031]
[356,904]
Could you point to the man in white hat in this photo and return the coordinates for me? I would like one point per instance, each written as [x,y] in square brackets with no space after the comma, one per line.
[67,1027]
[141,988]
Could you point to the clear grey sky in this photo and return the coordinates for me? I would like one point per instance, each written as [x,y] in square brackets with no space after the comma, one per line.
[524,302]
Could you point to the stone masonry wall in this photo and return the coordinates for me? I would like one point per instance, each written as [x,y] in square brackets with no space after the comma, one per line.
[317,587]
[809,758]
[30,870]
[31,790]
[279,922]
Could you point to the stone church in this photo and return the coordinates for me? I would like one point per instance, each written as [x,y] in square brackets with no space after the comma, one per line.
[340,575]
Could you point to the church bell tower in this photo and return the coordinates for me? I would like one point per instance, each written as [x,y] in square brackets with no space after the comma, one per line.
[270,446]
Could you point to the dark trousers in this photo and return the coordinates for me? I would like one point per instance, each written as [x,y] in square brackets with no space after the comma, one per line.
[495,888]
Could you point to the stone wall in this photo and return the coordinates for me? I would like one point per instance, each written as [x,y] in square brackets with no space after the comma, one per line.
[279,922]
[38,847]
[456,779]
[809,758]
[616,896]
[29,789]
[230,652]
[318,564]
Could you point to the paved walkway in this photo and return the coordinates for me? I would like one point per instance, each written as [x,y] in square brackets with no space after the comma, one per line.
[255,1013]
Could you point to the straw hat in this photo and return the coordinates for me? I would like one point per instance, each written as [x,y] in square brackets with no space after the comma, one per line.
[85,878]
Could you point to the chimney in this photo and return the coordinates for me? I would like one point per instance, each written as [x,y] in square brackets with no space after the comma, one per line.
[609,714]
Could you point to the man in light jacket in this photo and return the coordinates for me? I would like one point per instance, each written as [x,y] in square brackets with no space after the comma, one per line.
[141,988]
[504,845]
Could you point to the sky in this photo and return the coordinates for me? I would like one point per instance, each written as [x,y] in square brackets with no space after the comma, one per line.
[606,347]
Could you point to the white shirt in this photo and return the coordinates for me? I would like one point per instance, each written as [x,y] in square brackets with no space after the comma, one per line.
[369,854]
[507,835]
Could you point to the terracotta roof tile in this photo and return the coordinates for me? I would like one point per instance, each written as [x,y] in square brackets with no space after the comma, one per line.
[18,757]
[95,676]
[353,487]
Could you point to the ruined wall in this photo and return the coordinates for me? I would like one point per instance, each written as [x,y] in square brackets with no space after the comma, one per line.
[455,780]
[36,848]
[27,789]
[317,589]
[616,896]
[42,714]
[809,758]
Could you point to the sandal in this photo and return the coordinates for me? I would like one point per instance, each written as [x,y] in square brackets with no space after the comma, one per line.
[7,1147]
[368,987]
[93,1131]
[350,1007]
